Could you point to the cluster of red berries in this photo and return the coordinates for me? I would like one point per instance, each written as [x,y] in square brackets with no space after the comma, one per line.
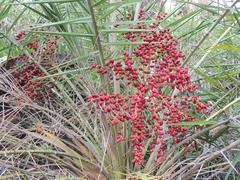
[154,70]
[28,74]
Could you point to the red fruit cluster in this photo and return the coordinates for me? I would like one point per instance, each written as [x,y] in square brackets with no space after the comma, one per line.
[28,72]
[154,70]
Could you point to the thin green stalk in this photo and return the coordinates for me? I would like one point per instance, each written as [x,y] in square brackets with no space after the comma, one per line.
[97,36]
[209,31]
[113,38]
[212,47]
[223,109]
